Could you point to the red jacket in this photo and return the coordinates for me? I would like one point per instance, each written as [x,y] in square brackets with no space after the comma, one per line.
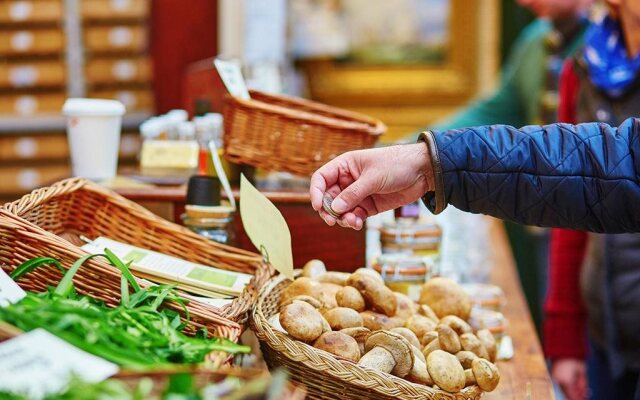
[564,329]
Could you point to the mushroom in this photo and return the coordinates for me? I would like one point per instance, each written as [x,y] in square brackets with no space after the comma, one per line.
[466,358]
[377,322]
[388,352]
[420,325]
[325,293]
[469,379]
[426,311]
[470,342]
[486,374]
[343,317]
[335,277]
[407,334]
[419,373]
[302,321]
[349,296]
[360,334]
[428,338]
[299,287]
[376,295]
[445,297]
[405,307]
[489,342]
[313,268]
[274,321]
[339,344]
[446,371]
[307,299]
[449,340]
[457,324]
[370,272]
[431,347]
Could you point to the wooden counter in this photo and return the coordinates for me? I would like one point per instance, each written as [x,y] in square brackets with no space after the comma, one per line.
[525,376]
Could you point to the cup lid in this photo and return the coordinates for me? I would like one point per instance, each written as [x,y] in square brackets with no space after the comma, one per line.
[93,107]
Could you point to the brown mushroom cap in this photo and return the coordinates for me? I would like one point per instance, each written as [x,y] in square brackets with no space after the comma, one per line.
[489,342]
[449,340]
[405,307]
[370,272]
[335,277]
[313,268]
[486,374]
[420,325]
[457,324]
[299,287]
[407,334]
[419,371]
[428,337]
[307,299]
[395,344]
[446,371]
[302,321]
[426,311]
[431,347]
[342,317]
[470,342]
[469,378]
[339,344]
[466,358]
[379,322]
[350,297]
[360,334]
[376,295]
[446,297]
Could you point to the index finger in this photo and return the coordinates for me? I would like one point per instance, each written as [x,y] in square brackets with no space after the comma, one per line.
[326,176]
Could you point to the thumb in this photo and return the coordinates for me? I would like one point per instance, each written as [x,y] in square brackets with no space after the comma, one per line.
[354,194]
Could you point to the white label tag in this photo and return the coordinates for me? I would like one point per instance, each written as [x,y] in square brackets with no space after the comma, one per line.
[10,292]
[120,36]
[20,10]
[22,41]
[39,363]
[232,78]
[123,70]
[23,76]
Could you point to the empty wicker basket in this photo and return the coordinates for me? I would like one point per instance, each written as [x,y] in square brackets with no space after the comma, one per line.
[282,133]
[325,376]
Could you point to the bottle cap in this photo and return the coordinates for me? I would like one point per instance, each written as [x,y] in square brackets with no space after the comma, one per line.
[203,190]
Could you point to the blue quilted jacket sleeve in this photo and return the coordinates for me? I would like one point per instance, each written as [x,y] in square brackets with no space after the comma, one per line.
[582,176]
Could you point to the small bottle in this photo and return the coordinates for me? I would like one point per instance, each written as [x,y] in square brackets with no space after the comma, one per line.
[204,213]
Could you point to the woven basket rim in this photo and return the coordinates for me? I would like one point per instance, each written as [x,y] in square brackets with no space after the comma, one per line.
[359,123]
[273,338]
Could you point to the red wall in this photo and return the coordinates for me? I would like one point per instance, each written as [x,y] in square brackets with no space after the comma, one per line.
[181,32]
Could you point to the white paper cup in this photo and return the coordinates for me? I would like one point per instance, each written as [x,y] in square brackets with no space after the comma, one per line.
[93,132]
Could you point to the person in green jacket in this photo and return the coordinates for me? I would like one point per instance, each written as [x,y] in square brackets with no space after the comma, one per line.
[527,94]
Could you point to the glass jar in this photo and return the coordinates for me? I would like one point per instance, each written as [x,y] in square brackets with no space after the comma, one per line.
[494,321]
[484,295]
[405,273]
[411,237]
[212,222]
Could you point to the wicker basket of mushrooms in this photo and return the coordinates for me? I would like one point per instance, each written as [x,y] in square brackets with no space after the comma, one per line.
[348,336]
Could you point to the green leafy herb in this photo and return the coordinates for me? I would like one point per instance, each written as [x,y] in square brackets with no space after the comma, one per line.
[137,334]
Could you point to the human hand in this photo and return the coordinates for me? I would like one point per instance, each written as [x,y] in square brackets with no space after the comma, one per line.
[571,375]
[363,183]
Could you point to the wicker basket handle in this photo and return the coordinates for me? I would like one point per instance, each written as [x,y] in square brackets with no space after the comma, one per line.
[42,195]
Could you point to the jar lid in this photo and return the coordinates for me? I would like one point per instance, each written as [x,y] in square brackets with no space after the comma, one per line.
[400,264]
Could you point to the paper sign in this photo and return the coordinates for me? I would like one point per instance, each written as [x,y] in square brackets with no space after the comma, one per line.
[10,292]
[266,228]
[39,363]
[232,78]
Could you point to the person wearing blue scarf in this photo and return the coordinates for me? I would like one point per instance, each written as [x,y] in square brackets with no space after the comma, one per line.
[605,273]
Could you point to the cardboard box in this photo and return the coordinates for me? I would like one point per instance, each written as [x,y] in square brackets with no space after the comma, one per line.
[115,10]
[31,42]
[116,39]
[31,104]
[105,71]
[30,12]
[16,75]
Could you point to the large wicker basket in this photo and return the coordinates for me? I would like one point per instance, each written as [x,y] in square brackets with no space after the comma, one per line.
[325,376]
[282,133]
[49,222]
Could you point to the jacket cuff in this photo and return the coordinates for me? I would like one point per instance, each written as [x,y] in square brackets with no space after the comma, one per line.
[565,337]
[435,200]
